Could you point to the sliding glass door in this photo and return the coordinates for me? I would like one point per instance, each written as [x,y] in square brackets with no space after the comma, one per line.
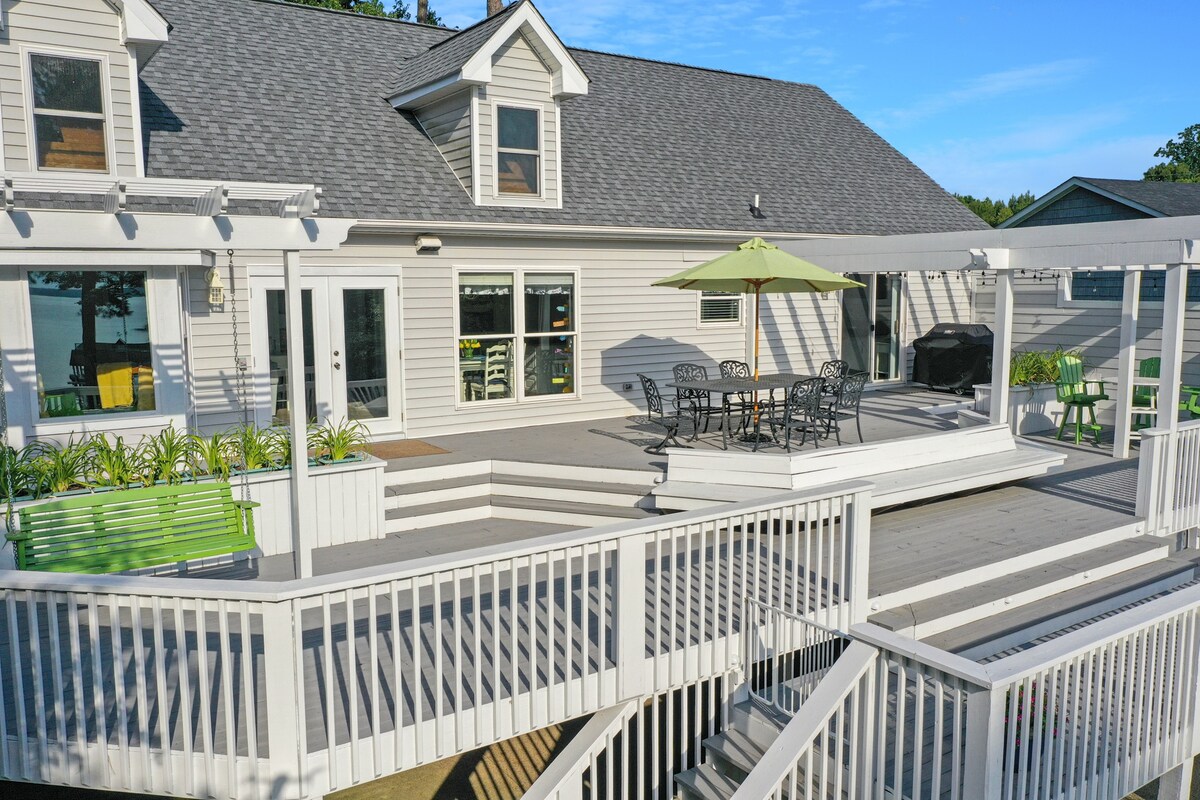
[871,326]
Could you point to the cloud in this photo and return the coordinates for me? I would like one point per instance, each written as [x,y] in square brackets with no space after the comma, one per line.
[989,86]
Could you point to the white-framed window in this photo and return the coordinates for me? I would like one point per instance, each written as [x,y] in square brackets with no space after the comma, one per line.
[68,110]
[1102,286]
[518,151]
[517,336]
[720,308]
[92,342]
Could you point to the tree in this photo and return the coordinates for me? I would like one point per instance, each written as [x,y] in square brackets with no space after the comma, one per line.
[374,8]
[1183,158]
[993,212]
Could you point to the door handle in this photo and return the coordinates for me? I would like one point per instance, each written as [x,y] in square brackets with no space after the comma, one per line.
[336,365]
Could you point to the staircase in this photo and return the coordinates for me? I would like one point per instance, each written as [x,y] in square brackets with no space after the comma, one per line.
[425,497]
[732,754]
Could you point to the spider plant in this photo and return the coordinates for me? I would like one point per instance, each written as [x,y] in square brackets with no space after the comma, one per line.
[256,447]
[20,472]
[114,463]
[210,455]
[66,467]
[341,441]
[165,454]
[1029,367]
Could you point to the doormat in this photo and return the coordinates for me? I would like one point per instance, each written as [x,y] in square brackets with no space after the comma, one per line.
[404,448]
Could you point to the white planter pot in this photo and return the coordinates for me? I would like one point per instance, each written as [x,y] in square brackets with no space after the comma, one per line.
[348,508]
[1031,409]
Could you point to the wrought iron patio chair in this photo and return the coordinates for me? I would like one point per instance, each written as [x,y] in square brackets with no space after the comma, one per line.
[743,404]
[658,414]
[833,373]
[800,412]
[697,400]
[844,405]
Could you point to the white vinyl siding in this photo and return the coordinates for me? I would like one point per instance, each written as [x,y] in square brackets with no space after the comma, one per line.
[933,298]
[519,78]
[448,124]
[799,332]
[209,350]
[82,28]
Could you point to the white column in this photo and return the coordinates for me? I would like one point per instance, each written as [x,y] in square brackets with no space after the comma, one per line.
[302,537]
[1172,347]
[1002,331]
[1130,304]
[1177,784]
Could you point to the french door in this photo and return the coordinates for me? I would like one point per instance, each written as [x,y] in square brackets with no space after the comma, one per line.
[351,351]
[871,325]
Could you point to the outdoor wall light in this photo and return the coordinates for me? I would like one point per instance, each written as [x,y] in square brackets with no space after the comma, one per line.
[428,243]
[216,287]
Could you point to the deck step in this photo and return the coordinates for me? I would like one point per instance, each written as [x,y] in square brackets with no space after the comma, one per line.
[428,515]
[570,489]
[985,599]
[705,782]
[1022,625]
[734,753]
[407,495]
[535,509]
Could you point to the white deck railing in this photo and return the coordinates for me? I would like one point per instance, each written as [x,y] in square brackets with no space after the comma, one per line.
[296,689]
[1168,494]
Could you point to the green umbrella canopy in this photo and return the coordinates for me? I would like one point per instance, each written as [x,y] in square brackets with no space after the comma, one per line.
[758,266]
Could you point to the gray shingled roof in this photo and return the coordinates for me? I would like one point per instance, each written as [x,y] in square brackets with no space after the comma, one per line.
[1169,199]
[259,90]
[447,56]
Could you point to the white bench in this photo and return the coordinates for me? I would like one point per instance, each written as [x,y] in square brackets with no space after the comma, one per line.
[903,470]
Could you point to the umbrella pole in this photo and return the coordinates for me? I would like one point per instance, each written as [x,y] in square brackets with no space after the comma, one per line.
[757,306]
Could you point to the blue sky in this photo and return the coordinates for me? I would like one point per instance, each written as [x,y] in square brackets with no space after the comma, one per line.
[989,98]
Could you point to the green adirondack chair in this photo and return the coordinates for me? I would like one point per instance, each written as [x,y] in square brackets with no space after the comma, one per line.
[1078,394]
[1146,396]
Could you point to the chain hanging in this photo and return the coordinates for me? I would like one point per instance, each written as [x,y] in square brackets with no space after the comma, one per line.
[8,454]
[239,366]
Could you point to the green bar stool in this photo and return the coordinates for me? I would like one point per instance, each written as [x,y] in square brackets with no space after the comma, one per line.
[1078,395]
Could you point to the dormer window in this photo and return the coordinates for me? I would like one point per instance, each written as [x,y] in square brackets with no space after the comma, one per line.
[518,151]
[68,112]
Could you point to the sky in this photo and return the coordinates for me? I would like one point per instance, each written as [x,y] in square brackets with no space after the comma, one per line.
[990,99]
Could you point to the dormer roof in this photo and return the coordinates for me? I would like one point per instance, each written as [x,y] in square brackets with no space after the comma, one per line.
[141,26]
[465,59]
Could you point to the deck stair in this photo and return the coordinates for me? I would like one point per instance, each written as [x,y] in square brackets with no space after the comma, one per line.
[731,754]
[428,496]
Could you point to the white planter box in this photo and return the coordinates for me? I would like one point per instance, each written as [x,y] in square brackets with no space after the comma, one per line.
[349,507]
[1035,408]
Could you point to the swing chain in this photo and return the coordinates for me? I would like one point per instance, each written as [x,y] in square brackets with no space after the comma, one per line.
[8,454]
[239,365]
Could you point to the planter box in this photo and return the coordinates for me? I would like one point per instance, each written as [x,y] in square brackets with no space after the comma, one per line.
[1035,408]
[348,508]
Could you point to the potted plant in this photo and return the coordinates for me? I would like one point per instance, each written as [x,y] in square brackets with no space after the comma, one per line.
[1033,400]
[338,442]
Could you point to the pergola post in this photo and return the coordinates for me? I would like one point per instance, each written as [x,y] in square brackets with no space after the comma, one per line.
[1171,372]
[1002,336]
[1127,362]
[297,415]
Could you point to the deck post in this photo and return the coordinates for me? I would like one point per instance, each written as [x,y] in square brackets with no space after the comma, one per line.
[984,750]
[1130,305]
[1002,336]
[1171,380]
[630,618]
[283,699]
[1177,783]
[297,415]
[860,556]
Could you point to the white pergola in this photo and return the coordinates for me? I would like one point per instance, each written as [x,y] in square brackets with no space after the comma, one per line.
[1129,247]
[39,233]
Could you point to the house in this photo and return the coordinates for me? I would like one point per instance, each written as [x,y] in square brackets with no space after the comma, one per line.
[940,610]
[474,166]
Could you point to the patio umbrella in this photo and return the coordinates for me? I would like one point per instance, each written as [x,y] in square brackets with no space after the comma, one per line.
[754,268]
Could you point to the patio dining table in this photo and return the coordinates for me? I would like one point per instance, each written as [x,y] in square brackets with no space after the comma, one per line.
[729,386]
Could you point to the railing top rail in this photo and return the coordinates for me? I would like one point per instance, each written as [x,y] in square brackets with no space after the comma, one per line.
[793,616]
[941,660]
[277,591]
[1189,425]
[1063,648]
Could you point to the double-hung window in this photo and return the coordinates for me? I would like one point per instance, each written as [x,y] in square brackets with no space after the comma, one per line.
[91,342]
[68,112]
[518,151]
[720,308]
[510,350]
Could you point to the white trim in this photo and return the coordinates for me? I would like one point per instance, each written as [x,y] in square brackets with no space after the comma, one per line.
[428,93]
[139,154]
[476,164]
[27,52]
[518,335]
[83,259]
[508,198]
[567,78]
[582,231]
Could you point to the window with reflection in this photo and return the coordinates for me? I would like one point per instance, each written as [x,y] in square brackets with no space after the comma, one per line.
[68,113]
[518,152]
[494,362]
[91,342]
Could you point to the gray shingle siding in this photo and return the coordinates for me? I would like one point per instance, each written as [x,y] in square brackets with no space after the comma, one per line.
[258,90]
[1080,205]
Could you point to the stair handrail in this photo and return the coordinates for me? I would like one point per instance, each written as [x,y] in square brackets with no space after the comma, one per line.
[561,778]
[852,673]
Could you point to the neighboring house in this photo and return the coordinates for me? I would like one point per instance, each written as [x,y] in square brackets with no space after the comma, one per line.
[480,166]
[1083,309]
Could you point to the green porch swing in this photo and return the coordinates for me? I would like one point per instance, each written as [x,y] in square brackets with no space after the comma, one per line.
[132,528]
